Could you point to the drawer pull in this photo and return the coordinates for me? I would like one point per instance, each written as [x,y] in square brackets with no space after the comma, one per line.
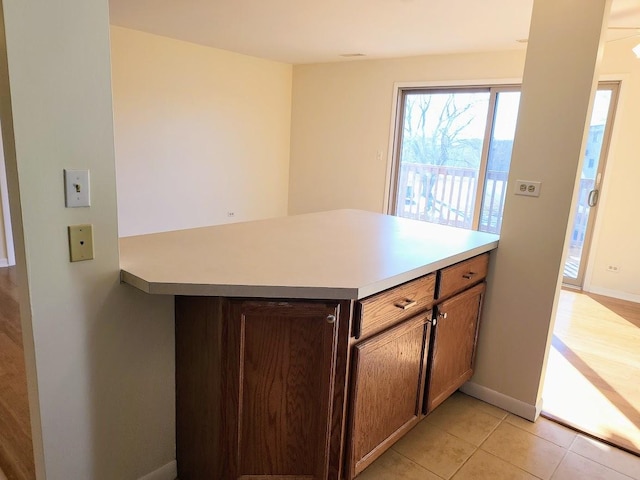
[406,304]
[442,315]
[331,319]
[469,275]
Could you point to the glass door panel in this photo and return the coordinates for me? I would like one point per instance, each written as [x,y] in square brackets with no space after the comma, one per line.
[440,155]
[499,160]
[590,181]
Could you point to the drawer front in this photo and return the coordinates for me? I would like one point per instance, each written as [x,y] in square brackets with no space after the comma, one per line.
[462,275]
[386,308]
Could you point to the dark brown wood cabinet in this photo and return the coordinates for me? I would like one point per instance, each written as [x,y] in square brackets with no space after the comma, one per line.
[388,373]
[280,376]
[455,330]
[274,410]
[318,389]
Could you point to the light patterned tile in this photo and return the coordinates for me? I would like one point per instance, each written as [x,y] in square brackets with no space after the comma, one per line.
[393,466]
[465,420]
[544,428]
[576,467]
[484,466]
[524,450]
[436,450]
[608,456]
[459,397]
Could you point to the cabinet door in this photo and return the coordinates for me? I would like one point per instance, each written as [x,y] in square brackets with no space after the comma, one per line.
[387,389]
[279,389]
[453,345]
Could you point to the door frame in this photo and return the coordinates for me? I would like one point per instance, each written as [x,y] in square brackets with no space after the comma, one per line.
[579,282]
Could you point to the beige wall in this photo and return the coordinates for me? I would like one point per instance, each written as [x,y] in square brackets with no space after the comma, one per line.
[199,132]
[99,354]
[342,117]
[341,120]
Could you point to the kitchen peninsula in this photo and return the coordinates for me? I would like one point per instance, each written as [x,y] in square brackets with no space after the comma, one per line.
[307,345]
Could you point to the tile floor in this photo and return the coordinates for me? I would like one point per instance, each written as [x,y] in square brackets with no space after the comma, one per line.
[466,439]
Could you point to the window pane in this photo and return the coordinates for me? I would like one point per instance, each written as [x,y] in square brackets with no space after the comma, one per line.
[500,147]
[440,156]
[588,175]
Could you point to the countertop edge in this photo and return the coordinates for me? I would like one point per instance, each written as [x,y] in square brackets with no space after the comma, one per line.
[299,292]
[396,280]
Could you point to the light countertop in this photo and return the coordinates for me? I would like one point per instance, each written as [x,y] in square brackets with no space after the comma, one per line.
[341,254]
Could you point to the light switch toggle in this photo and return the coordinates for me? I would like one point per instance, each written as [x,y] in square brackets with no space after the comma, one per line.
[76,188]
[80,242]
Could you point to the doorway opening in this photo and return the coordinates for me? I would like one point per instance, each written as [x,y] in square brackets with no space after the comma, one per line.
[591,177]
[593,368]
[593,371]
[16,446]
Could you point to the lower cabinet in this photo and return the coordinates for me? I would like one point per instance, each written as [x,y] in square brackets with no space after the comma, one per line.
[453,345]
[387,384]
[259,393]
[318,390]
[280,374]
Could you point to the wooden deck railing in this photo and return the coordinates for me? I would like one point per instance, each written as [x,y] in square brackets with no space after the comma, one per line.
[446,195]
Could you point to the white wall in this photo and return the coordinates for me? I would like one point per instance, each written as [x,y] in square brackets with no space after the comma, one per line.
[199,132]
[99,354]
[525,274]
[617,230]
[342,117]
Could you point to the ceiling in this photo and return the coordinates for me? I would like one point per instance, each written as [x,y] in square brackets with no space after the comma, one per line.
[313,31]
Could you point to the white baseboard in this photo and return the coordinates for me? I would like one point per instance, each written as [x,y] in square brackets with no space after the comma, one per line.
[630,297]
[510,404]
[166,472]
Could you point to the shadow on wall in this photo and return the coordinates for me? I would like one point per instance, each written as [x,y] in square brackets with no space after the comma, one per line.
[132,378]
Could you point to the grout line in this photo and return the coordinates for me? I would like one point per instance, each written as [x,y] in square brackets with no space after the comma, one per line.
[491,432]
[598,461]
[566,452]
[586,434]
[410,459]
[477,448]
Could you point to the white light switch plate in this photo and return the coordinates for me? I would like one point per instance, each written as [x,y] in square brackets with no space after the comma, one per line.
[76,188]
[528,188]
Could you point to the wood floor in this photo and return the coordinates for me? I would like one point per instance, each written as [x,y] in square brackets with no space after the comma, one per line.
[16,451]
[593,374]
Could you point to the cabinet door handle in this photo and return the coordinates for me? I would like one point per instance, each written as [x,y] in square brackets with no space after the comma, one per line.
[406,304]
[331,319]
[469,275]
[442,315]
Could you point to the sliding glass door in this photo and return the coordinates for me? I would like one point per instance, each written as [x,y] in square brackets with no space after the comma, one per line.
[591,178]
[454,155]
